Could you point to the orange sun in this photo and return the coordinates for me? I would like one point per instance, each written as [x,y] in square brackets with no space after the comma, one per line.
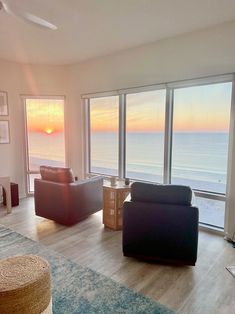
[48,131]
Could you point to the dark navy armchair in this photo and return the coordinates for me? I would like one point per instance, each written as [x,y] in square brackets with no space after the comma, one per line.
[160,224]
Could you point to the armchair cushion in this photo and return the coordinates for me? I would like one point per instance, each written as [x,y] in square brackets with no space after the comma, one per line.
[56,174]
[163,194]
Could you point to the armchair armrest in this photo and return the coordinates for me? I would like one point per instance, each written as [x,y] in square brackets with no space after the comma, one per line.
[85,195]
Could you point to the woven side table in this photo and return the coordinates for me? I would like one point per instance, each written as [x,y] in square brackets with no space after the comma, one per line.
[113,198]
[25,285]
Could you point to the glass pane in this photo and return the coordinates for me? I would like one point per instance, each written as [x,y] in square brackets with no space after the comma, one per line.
[45,133]
[145,123]
[200,136]
[104,135]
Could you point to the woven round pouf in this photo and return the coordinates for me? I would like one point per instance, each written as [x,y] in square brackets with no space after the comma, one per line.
[25,285]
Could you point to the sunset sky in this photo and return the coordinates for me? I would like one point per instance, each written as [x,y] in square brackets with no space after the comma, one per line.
[196,109]
[199,109]
[202,108]
[45,115]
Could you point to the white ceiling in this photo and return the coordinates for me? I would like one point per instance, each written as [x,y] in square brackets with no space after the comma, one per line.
[91,28]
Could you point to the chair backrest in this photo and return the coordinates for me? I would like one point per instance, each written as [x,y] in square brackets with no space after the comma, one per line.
[57,174]
[163,194]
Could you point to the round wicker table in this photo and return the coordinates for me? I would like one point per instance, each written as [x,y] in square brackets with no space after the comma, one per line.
[25,285]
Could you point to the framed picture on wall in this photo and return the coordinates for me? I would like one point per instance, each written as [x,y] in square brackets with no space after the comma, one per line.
[4,132]
[3,104]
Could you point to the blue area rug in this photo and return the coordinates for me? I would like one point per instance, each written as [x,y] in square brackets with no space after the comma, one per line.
[78,289]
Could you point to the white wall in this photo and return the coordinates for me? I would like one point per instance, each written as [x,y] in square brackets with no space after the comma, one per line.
[191,55]
[230,203]
[19,79]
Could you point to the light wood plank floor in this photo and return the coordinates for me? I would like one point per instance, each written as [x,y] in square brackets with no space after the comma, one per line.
[206,288]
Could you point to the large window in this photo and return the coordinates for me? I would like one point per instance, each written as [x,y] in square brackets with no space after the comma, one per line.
[145,123]
[172,133]
[44,135]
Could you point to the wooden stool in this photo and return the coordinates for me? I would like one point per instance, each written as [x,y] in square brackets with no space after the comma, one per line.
[25,285]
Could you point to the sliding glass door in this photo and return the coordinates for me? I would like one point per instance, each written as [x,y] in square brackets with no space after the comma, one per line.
[45,143]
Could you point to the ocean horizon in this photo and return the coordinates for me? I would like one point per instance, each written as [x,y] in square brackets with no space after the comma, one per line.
[199,159]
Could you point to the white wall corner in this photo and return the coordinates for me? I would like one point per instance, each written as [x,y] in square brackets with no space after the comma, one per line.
[230,194]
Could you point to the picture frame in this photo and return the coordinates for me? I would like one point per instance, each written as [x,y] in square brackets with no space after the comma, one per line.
[4,132]
[3,104]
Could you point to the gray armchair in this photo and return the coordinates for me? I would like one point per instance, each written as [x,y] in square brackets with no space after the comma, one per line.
[60,198]
[160,224]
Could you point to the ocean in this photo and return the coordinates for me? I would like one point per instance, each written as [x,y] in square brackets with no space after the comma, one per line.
[46,149]
[198,159]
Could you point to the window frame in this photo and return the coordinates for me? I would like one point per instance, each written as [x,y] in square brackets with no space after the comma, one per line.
[27,171]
